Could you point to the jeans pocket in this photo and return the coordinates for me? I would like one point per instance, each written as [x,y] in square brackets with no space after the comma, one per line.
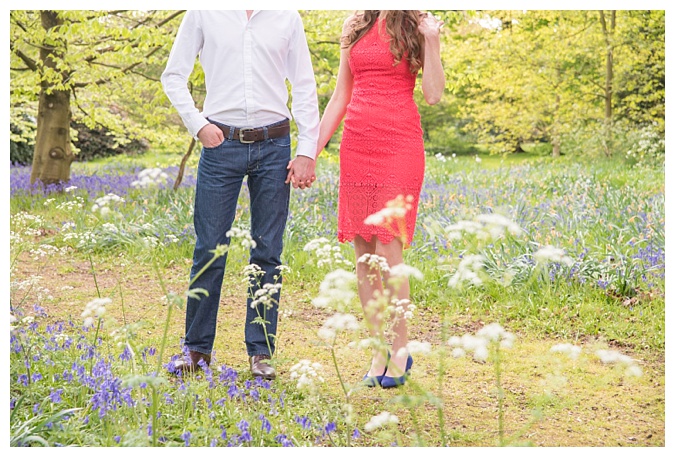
[281,142]
[206,148]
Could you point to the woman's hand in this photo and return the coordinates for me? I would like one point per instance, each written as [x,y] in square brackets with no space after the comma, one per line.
[429,26]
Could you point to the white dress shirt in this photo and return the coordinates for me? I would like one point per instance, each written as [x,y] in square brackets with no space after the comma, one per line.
[246,64]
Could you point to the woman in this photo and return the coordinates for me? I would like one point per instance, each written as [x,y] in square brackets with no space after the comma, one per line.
[382,152]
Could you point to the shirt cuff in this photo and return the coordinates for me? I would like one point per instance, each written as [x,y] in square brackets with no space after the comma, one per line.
[306,150]
[195,123]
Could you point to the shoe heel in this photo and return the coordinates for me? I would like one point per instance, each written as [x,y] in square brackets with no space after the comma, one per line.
[373,381]
[388,382]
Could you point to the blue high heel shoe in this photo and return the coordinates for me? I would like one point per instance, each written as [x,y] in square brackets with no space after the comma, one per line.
[372,381]
[388,382]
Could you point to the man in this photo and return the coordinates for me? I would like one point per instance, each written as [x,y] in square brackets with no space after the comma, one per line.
[247,56]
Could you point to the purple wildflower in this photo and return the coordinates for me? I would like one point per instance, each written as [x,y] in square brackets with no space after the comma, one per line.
[55,395]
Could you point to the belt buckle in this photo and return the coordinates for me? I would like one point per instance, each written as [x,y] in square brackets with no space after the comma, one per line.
[242,132]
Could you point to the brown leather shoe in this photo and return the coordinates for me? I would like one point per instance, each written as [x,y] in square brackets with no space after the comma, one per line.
[261,368]
[190,363]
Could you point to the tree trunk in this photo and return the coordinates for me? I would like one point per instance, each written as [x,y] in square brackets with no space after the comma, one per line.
[608,32]
[53,153]
[555,137]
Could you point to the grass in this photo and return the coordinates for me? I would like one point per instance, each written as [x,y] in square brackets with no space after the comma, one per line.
[607,218]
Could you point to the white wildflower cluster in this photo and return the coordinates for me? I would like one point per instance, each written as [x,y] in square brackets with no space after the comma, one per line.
[610,357]
[326,253]
[405,271]
[77,203]
[338,322]
[307,374]
[374,261]
[251,271]
[32,286]
[244,237]
[381,420]
[45,250]
[70,189]
[12,320]
[467,271]
[336,290]
[570,350]
[147,227]
[27,224]
[265,295]
[286,313]
[550,254]
[14,238]
[29,283]
[106,205]
[170,238]
[418,347]
[394,210]
[484,227]
[150,177]
[403,308]
[81,239]
[478,159]
[68,226]
[150,242]
[95,309]
[110,228]
[479,343]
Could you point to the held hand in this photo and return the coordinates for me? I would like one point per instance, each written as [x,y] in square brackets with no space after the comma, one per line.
[301,172]
[210,136]
[430,26]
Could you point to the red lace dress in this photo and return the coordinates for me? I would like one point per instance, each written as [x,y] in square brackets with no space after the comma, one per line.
[382,151]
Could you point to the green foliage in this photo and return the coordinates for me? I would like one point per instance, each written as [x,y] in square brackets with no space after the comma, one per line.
[20,151]
[98,142]
[111,62]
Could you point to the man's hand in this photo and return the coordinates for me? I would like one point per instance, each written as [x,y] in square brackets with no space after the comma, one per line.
[210,136]
[301,172]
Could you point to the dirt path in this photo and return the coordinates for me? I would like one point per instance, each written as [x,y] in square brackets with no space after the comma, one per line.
[589,404]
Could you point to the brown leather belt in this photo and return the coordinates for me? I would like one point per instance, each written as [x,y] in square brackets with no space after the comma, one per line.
[247,135]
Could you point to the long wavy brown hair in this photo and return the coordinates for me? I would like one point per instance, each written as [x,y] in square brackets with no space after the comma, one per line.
[401,25]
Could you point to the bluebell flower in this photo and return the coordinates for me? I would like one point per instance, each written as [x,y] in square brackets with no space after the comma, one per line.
[23,379]
[55,395]
[330,427]
[304,422]
[117,439]
[186,437]
[283,440]
[265,424]
[242,425]
[214,442]
[233,391]
[35,377]
[356,434]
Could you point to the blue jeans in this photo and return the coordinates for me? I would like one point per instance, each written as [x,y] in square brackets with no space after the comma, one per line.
[219,180]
